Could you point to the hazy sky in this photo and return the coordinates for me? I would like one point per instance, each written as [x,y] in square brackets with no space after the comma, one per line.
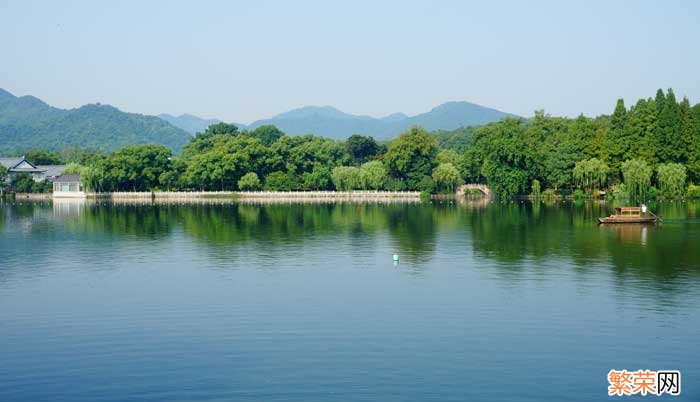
[241,61]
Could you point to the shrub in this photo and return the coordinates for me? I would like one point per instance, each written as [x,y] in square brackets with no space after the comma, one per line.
[549,193]
[395,185]
[249,182]
[618,192]
[693,191]
[578,194]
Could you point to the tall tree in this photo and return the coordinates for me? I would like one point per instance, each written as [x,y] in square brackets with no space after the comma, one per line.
[660,100]
[670,143]
[267,134]
[412,156]
[618,142]
[361,148]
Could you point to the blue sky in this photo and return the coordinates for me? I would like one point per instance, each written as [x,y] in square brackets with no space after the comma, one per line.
[241,61]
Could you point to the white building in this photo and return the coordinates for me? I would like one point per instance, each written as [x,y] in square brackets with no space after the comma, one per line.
[68,186]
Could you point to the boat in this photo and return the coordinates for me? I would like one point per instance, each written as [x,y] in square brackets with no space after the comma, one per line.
[630,215]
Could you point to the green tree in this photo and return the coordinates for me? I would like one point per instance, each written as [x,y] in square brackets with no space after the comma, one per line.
[249,182]
[639,130]
[133,168]
[318,179]
[446,177]
[43,157]
[267,134]
[637,174]
[591,173]
[23,183]
[374,175]
[3,174]
[502,154]
[670,145]
[448,156]
[412,156]
[671,178]
[361,148]
[280,181]
[692,124]
[346,178]
[618,144]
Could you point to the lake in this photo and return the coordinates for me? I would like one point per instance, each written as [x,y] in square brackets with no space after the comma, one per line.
[502,302]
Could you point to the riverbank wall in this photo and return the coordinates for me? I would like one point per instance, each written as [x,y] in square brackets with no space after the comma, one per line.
[260,196]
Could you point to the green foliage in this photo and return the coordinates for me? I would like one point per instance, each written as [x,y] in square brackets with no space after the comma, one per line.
[535,188]
[280,181]
[637,174]
[3,174]
[670,144]
[412,156]
[318,179]
[500,150]
[374,175]
[446,177]
[132,168]
[74,168]
[457,140]
[267,134]
[395,185]
[591,173]
[578,194]
[693,191]
[671,178]
[346,178]
[43,157]
[619,192]
[549,193]
[249,182]
[426,184]
[361,148]
[448,156]
[24,183]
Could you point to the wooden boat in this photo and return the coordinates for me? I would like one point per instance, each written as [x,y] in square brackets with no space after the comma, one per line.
[630,215]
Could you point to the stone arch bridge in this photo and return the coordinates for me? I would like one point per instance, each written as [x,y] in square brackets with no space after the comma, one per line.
[473,186]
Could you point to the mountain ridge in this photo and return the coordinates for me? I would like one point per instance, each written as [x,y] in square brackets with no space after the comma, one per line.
[27,122]
[331,122]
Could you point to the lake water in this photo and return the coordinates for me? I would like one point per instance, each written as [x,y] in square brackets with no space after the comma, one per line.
[502,302]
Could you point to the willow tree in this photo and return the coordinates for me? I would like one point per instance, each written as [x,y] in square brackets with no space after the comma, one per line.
[637,174]
[591,173]
[671,178]
[446,176]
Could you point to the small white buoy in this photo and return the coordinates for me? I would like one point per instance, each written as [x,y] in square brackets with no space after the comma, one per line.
[396,258]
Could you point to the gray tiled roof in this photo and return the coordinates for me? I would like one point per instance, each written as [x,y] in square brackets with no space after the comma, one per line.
[67,178]
[52,170]
[9,163]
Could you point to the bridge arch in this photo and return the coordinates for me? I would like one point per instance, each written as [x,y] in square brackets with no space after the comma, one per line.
[473,186]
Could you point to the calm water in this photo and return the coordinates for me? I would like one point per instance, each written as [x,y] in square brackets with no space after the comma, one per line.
[303,303]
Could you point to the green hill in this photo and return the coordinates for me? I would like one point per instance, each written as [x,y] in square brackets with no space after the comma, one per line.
[27,122]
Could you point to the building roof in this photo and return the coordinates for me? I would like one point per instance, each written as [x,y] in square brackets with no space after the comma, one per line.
[51,170]
[68,178]
[11,162]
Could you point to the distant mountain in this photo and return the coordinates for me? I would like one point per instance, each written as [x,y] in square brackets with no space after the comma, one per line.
[190,123]
[27,122]
[331,122]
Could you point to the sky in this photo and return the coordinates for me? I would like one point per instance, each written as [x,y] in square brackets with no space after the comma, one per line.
[245,60]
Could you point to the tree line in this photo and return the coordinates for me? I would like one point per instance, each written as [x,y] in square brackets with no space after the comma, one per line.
[649,149]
